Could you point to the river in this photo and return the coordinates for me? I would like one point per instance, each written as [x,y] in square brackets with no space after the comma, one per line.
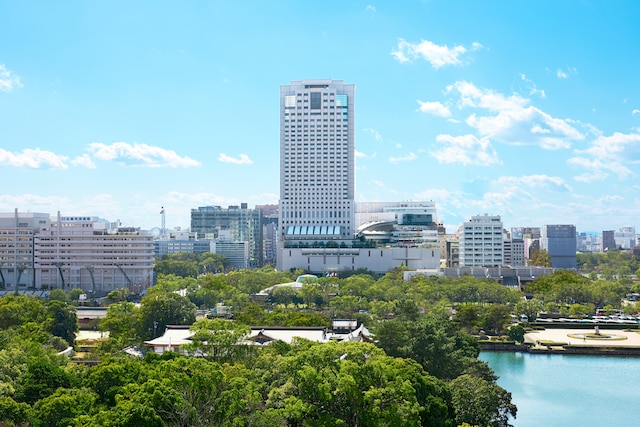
[571,390]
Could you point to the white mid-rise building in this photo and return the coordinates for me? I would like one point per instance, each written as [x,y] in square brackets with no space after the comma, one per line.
[481,242]
[81,252]
[625,237]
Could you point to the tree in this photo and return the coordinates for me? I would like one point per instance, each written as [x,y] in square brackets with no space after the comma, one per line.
[159,310]
[14,413]
[63,321]
[121,321]
[495,318]
[539,257]
[529,308]
[481,403]
[16,310]
[59,409]
[219,340]
[468,315]
[108,378]
[433,341]
[42,378]
[354,384]
[74,295]
[58,295]
[516,333]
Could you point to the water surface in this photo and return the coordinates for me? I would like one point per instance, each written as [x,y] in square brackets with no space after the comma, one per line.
[557,390]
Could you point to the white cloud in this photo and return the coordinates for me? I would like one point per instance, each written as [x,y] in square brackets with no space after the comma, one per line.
[33,158]
[370,8]
[437,55]
[376,135]
[509,119]
[553,183]
[243,159]
[617,146]
[140,155]
[360,154]
[465,149]
[531,86]
[608,154]
[84,160]
[634,112]
[408,158]
[435,108]
[8,80]
[565,74]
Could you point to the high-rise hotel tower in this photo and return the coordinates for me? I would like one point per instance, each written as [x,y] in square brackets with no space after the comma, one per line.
[317,160]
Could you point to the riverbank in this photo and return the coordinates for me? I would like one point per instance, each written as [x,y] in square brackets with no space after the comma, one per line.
[609,342]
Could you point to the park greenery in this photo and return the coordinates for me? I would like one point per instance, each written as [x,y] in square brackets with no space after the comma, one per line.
[422,367]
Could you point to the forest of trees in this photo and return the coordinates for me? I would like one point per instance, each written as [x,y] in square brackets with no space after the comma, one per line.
[421,369]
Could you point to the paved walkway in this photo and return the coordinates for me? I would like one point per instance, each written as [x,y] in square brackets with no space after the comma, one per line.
[562,335]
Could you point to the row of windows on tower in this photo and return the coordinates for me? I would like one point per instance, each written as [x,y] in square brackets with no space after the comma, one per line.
[344,116]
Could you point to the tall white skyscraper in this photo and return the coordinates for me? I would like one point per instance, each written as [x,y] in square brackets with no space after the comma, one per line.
[317,160]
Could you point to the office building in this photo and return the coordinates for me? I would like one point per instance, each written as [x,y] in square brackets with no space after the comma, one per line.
[560,243]
[318,229]
[16,247]
[38,252]
[625,238]
[180,242]
[269,233]
[236,253]
[234,224]
[80,252]
[514,252]
[608,240]
[317,160]
[481,242]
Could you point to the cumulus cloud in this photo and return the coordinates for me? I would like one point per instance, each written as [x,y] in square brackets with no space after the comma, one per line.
[465,149]
[8,80]
[408,158]
[34,159]
[242,159]
[635,111]
[437,55]
[84,160]
[360,154]
[371,8]
[511,120]
[435,108]
[140,155]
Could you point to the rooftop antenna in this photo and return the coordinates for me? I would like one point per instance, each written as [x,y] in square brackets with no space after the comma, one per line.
[162,229]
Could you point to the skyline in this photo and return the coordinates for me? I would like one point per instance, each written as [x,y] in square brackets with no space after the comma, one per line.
[527,111]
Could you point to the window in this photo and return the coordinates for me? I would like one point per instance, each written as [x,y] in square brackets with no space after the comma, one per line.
[289,101]
[316,100]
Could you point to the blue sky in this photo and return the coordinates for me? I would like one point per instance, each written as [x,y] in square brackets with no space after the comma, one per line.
[528,110]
